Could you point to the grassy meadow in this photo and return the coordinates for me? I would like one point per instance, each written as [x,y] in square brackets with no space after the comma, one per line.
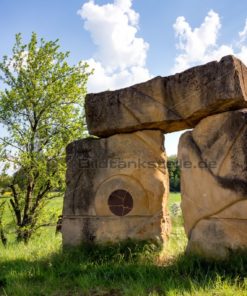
[43,268]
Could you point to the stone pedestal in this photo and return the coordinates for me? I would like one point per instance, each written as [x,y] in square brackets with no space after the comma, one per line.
[213,159]
[117,188]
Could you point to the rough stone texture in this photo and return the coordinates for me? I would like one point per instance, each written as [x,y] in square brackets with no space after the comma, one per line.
[96,168]
[169,103]
[213,159]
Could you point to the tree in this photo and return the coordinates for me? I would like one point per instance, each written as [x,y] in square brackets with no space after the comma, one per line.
[2,234]
[4,188]
[41,109]
[174,173]
[4,183]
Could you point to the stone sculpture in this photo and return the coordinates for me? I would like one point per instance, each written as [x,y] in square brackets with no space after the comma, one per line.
[105,203]
[213,160]
[117,188]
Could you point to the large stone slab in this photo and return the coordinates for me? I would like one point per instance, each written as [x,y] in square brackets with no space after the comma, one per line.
[117,188]
[213,159]
[170,103]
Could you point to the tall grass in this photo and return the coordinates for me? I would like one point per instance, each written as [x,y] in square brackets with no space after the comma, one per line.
[129,268]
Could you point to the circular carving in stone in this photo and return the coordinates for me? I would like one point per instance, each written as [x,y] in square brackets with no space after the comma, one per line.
[122,182]
[120,202]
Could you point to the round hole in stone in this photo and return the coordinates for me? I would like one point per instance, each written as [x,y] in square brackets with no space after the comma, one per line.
[120,202]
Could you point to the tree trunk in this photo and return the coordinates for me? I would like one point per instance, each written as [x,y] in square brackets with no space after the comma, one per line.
[2,236]
[24,234]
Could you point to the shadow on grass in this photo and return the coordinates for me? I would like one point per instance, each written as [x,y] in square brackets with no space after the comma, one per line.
[122,269]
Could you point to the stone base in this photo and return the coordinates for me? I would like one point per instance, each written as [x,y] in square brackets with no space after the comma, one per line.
[117,189]
[114,229]
[218,238]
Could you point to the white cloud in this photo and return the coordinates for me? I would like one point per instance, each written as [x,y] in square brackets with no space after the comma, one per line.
[199,45]
[120,58]
[242,54]
[102,80]
[243,34]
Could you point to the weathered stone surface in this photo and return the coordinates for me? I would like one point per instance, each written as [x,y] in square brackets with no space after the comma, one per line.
[169,103]
[133,163]
[213,159]
[216,238]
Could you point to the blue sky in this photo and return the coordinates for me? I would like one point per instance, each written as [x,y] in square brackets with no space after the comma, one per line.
[163,36]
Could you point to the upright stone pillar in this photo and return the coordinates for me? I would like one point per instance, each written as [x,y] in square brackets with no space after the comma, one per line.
[117,188]
[213,160]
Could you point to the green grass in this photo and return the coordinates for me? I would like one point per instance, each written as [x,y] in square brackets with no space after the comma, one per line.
[174,198]
[43,268]
[51,213]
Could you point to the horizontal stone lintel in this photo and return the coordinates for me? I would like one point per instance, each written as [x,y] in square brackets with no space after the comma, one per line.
[170,103]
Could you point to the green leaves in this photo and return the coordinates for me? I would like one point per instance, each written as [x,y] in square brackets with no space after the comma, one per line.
[174,173]
[41,108]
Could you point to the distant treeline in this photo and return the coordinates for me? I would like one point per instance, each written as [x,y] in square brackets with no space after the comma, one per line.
[174,173]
